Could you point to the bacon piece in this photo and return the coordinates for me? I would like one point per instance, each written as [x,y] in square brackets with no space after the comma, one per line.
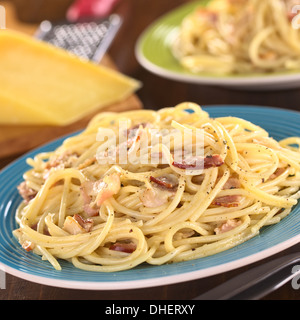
[232,183]
[289,4]
[227,201]
[110,186]
[200,163]
[133,139]
[208,15]
[45,231]
[123,247]
[132,132]
[66,160]
[87,224]
[269,55]
[213,161]
[25,192]
[87,192]
[28,245]
[291,16]
[167,181]
[91,211]
[62,161]
[277,173]
[184,234]
[120,152]
[227,226]
[153,198]
[165,187]
[76,224]
[96,192]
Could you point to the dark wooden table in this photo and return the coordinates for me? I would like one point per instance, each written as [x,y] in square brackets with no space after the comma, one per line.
[157,93]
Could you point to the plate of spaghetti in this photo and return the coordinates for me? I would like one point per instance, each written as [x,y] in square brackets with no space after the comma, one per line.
[147,198]
[248,44]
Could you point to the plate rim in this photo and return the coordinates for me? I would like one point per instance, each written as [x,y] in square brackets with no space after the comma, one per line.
[152,281]
[239,81]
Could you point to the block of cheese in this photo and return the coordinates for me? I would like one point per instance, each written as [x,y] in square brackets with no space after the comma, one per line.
[41,84]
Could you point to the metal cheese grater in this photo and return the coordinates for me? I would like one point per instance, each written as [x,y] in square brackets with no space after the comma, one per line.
[89,40]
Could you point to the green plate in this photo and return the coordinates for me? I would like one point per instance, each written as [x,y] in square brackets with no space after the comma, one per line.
[153,53]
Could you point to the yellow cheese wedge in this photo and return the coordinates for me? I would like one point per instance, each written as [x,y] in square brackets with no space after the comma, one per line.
[41,84]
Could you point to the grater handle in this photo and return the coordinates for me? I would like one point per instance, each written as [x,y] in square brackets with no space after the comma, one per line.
[81,9]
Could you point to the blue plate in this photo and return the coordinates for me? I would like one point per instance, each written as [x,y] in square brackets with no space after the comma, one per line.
[279,123]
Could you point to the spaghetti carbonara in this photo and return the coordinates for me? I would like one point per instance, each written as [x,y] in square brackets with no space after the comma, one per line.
[239,37]
[155,187]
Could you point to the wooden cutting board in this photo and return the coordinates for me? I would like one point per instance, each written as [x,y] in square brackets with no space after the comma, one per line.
[17,139]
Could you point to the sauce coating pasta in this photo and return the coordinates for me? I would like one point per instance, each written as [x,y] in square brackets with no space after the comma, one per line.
[161,201]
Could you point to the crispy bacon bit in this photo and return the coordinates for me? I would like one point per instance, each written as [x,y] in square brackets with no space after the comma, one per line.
[28,245]
[167,181]
[76,224]
[227,201]
[227,226]
[123,247]
[200,163]
[213,161]
[87,224]
[26,193]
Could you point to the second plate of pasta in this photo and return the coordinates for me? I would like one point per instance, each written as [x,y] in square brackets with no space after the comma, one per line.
[213,42]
